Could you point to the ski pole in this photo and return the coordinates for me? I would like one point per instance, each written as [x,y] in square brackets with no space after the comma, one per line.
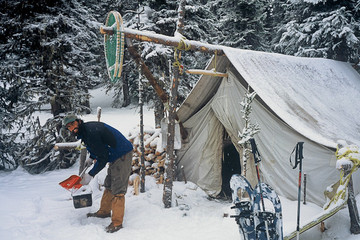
[298,160]
[304,188]
[257,159]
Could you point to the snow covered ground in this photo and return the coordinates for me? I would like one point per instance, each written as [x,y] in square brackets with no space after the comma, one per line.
[36,207]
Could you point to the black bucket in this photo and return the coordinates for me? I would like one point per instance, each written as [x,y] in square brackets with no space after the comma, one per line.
[81,201]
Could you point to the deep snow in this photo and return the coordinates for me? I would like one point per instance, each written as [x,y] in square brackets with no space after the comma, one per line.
[36,207]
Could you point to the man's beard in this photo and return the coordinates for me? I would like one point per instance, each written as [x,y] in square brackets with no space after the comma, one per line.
[75,133]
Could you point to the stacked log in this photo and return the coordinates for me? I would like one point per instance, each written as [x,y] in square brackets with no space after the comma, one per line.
[154,155]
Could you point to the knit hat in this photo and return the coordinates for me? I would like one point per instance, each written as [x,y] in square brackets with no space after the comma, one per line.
[69,119]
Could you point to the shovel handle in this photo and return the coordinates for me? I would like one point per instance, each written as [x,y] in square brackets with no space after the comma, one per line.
[83,171]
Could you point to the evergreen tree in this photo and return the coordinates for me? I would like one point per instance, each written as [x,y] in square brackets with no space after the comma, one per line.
[327,29]
[49,54]
[242,26]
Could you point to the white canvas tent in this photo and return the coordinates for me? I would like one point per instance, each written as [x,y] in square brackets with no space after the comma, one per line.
[312,100]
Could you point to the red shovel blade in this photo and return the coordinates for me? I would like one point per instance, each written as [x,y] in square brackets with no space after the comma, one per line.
[72,182]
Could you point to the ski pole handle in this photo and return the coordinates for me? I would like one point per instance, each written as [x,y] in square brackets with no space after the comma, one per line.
[254,150]
[300,144]
[298,154]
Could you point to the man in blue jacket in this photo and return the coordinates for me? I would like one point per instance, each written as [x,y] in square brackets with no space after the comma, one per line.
[105,145]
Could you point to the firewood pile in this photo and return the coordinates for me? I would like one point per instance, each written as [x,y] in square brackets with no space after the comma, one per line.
[154,155]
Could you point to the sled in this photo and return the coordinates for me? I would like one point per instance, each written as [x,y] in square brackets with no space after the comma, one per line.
[337,202]
[318,219]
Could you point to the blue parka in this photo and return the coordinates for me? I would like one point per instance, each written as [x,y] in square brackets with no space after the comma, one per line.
[104,143]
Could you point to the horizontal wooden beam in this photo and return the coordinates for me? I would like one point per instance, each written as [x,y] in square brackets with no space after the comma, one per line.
[211,72]
[177,41]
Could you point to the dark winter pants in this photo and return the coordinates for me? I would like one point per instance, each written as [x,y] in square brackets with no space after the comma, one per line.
[117,178]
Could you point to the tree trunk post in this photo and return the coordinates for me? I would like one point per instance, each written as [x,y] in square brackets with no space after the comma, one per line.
[170,151]
[125,88]
[351,202]
[353,211]
[83,153]
[142,149]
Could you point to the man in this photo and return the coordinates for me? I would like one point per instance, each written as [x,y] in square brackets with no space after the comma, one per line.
[105,145]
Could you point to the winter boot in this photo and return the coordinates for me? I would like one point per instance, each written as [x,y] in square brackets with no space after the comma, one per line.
[111,228]
[105,206]
[118,209]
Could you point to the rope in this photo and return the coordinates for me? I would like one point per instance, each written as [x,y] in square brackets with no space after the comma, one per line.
[351,154]
[215,60]
[80,147]
[182,46]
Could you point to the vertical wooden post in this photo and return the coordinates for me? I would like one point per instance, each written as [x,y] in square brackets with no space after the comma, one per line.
[170,151]
[142,149]
[353,211]
[83,153]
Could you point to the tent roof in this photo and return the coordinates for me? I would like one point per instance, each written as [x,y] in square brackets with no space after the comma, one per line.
[316,97]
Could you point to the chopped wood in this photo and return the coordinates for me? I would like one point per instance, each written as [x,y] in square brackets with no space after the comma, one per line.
[154,160]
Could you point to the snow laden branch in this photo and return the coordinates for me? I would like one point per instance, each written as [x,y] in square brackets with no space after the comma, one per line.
[249,129]
[347,154]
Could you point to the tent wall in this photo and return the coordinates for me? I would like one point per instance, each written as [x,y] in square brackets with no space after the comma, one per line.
[201,153]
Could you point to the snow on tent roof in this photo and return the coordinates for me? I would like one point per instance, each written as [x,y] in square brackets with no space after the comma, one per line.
[317,97]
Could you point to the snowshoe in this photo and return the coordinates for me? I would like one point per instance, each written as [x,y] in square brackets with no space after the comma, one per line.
[243,199]
[267,220]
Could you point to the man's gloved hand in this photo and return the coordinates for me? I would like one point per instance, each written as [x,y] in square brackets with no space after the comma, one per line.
[86,179]
[89,161]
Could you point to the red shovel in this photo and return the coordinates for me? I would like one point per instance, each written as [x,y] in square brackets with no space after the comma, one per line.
[73,182]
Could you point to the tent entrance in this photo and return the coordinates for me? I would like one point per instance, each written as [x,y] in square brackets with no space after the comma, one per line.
[230,165]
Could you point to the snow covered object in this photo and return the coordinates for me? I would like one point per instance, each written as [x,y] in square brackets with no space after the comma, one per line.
[244,206]
[249,129]
[273,219]
[347,155]
[114,45]
[249,216]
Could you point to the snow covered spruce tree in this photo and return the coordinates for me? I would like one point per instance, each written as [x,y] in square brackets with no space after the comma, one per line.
[248,131]
[50,53]
[327,29]
[243,26]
